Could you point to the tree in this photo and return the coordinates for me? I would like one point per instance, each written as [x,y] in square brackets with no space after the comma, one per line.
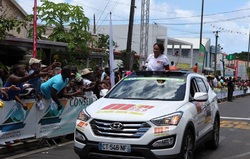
[69,25]
[7,24]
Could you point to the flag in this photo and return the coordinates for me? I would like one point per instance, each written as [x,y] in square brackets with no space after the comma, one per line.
[111,54]
[35,30]
[201,57]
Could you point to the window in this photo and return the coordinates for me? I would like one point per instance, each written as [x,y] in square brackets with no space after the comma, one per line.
[202,86]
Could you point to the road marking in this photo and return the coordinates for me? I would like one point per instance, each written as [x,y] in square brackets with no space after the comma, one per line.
[236,123]
[234,118]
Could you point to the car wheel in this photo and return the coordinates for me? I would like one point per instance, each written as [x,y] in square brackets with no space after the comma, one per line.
[187,148]
[214,142]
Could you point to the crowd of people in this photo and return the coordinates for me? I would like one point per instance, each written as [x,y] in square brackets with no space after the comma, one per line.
[37,81]
[54,81]
[230,84]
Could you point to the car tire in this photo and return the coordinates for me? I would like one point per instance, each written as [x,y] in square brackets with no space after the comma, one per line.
[187,147]
[214,142]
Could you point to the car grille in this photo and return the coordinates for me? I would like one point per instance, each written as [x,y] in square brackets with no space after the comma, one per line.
[127,129]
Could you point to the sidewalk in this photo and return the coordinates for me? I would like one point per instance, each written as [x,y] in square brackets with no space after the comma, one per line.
[15,148]
[29,145]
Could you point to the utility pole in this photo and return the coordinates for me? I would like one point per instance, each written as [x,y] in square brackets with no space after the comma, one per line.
[145,5]
[129,39]
[216,50]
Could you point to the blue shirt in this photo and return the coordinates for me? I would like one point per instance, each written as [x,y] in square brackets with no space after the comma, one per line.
[35,82]
[55,82]
[12,93]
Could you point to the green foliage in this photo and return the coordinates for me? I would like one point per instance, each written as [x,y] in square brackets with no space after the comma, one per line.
[60,15]
[7,24]
[103,41]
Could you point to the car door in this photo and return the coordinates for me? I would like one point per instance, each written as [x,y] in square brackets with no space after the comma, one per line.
[205,108]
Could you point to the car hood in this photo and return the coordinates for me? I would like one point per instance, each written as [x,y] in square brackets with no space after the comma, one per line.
[131,110]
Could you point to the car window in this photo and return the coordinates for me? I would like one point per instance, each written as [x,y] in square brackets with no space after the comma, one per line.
[149,88]
[194,87]
[201,85]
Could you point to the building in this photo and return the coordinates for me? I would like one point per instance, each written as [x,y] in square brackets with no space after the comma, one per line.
[17,47]
[186,53]
[157,33]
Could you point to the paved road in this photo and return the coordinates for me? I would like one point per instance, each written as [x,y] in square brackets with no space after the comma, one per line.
[234,137]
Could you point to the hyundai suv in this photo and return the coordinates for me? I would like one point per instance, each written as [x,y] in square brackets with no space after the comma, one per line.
[150,115]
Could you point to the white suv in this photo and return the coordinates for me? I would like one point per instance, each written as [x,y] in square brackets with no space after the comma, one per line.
[150,115]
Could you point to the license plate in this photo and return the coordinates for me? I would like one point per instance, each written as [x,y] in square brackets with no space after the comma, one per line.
[114,147]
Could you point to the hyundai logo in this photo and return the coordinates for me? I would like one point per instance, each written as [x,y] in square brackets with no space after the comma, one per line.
[116,126]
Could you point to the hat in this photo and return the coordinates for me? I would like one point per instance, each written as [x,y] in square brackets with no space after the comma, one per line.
[34,60]
[86,71]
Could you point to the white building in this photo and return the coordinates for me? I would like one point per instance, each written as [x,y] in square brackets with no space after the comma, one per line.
[187,58]
[188,52]
[120,33]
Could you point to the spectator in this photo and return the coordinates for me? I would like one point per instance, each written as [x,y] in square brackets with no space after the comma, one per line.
[1,77]
[105,73]
[90,85]
[215,81]
[18,76]
[35,64]
[97,73]
[4,90]
[195,68]
[172,67]
[230,88]
[76,73]
[72,89]
[54,85]
[105,84]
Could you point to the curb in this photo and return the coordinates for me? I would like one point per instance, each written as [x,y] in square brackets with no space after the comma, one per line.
[16,148]
[32,144]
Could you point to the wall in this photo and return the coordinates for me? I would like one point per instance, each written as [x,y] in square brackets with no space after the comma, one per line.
[12,10]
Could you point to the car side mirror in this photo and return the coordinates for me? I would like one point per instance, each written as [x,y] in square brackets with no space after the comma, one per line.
[200,96]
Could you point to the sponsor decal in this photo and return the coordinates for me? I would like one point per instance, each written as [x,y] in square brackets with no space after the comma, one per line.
[136,109]
[52,115]
[16,117]
[82,124]
[161,131]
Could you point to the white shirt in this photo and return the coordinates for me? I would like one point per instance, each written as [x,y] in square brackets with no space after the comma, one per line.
[156,64]
[215,82]
[88,94]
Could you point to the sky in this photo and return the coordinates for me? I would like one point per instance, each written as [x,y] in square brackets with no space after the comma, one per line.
[181,17]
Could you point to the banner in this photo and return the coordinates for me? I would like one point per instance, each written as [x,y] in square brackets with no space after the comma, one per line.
[201,57]
[17,123]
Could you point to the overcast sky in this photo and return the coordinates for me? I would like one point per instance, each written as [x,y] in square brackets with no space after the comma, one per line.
[182,17]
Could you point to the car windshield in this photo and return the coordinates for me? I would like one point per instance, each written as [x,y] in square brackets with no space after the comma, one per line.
[150,88]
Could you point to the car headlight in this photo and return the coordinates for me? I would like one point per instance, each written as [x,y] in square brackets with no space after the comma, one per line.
[171,119]
[83,115]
